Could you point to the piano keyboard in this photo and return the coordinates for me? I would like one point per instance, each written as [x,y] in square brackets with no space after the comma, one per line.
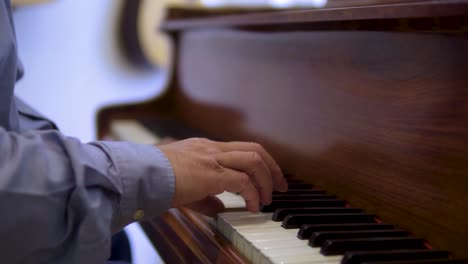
[304,225]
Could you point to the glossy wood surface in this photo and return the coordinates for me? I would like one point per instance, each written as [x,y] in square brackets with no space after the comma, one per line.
[184,236]
[377,117]
[200,11]
[374,10]
[185,13]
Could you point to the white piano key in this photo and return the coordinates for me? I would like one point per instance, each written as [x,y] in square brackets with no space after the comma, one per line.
[258,248]
[231,200]
[224,217]
[285,234]
[246,230]
[243,236]
[240,234]
[228,222]
[262,240]
[253,243]
[253,222]
[301,254]
[306,259]
[250,241]
[291,251]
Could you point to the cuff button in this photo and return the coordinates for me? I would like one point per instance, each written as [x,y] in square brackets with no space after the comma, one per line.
[138,215]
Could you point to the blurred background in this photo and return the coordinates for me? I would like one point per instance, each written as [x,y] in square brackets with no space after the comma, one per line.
[74,63]
[73,67]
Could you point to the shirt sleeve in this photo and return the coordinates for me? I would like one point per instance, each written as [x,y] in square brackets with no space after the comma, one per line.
[61,200]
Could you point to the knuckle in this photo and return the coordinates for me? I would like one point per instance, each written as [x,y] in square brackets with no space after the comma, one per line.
[211,150]
[256,158]
[212,164]
[205,145]
[199,141]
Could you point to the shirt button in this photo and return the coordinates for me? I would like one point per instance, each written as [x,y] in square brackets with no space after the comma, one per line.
[138,215]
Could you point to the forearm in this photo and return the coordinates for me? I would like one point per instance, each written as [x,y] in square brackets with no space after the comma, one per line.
[68,198]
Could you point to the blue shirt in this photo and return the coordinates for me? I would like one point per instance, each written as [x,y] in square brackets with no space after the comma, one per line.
[61,200]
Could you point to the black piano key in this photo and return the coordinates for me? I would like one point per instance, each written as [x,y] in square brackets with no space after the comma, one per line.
[340,246]
[429,261]
[307,230]
[290,197]
[294,186]
[393,255]
[318,238]
[296,220]
[302,203]
[281,213]
[300,191]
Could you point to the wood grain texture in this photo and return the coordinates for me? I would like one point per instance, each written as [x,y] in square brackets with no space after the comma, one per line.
[378,117]
[184,236]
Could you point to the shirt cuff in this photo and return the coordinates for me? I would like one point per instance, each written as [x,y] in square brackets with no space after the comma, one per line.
[147,178]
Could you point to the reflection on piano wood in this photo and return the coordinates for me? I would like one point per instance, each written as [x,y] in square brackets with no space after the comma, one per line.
[303,225]
[367,103]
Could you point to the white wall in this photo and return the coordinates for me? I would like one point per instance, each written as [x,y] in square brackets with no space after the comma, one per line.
[73,65]
[73,68]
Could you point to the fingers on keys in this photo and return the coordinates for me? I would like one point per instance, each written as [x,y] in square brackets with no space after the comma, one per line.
[239,182]
[279,183]
[253,165]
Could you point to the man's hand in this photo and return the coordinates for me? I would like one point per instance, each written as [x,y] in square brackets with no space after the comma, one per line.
[204,168]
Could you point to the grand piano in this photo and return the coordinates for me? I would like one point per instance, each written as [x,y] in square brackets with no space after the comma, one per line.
[363,103]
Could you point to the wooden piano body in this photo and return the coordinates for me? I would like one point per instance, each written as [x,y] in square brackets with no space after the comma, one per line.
[367,99]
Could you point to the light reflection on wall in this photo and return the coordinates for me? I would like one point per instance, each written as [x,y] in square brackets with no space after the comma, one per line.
[271,3]
[298,3]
